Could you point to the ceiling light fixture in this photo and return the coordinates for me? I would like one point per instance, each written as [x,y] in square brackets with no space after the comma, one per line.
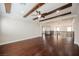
[39,16]
[57,11]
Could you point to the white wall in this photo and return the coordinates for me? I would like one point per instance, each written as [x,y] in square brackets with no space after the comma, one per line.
[0,27]
[75,11]
[16,28]
[76,29]
[0,21]
[61,23]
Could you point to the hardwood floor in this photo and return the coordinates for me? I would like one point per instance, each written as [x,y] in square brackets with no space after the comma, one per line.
[35,47]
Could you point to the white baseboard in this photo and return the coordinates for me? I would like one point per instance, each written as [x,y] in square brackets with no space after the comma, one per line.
[3,43]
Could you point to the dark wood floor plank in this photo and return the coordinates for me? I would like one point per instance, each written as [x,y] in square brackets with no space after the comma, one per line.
[35,47]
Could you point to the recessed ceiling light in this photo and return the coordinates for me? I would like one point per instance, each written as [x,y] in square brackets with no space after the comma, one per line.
[39,16]
[57,11]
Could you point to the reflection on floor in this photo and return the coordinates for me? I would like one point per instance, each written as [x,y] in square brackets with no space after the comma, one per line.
[60,43]
[35,47]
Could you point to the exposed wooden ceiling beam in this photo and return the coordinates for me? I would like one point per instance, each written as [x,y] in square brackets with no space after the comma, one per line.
[56,16]
[57,9]
[34,8]
[7,7]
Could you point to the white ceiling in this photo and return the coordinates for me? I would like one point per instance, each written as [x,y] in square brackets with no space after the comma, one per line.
[18,8]
[50,6]
[21,9]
